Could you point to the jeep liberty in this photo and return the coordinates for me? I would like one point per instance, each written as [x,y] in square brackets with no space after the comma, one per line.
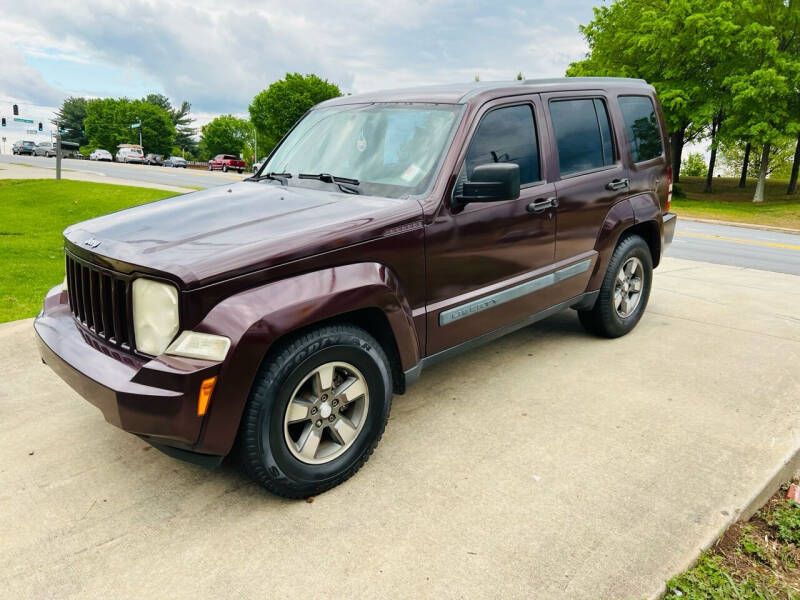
[386,231]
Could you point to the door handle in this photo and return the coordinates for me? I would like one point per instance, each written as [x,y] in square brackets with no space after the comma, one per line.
[617,184]
[542,204]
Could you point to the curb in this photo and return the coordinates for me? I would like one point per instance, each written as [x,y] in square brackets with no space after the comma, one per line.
[740,224]
[789,468]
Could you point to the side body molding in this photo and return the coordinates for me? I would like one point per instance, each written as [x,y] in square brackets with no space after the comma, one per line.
[256,318]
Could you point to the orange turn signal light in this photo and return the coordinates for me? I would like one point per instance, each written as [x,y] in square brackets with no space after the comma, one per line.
[204,397]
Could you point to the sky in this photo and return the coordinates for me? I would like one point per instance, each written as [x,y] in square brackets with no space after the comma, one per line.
[219,59]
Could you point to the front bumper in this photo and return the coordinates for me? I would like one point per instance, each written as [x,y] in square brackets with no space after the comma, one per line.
[155,399]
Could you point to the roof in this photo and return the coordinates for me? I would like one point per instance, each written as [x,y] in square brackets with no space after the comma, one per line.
[460,93]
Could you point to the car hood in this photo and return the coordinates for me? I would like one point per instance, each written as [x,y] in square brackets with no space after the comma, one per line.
[222,232]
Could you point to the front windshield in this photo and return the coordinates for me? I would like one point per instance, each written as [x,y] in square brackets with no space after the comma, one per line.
[391,149]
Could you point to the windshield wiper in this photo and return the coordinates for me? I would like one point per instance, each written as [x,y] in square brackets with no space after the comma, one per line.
[346,184]
[282,177]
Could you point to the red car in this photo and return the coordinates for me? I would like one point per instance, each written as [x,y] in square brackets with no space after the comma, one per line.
[226,162]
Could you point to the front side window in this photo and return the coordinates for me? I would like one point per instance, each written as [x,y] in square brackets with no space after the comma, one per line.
[641,126]
[583,134]
[506,135]
[392,149]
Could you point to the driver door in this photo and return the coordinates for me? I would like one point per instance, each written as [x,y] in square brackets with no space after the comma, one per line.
[482,258]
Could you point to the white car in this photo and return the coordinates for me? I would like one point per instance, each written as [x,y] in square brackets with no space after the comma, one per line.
[257,166]
[100,154]
[130,155]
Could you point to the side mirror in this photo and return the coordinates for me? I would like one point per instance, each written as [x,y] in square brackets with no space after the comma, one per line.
[492,182]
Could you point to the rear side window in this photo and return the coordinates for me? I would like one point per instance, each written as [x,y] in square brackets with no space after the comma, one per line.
[583,134]
[641,126]
[506,135]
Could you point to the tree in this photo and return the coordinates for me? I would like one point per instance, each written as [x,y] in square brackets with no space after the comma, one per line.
[276,109]
[683,48]
[181,120]
[765,89]
[694,165]
[519,76]
[225,135]
[108,124]
[735,155]
[71,117]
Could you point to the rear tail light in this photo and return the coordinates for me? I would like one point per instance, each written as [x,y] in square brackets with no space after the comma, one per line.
[669,189]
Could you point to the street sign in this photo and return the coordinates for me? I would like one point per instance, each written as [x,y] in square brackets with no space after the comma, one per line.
[18,120]
[132,126]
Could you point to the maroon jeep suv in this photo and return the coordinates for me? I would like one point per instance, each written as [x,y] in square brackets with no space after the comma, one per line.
[385,232]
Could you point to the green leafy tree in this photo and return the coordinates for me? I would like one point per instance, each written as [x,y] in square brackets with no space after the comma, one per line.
[181,119]
[276,109]
[225,135]
[71,117]
[681,47]
[694,165]
[765,88]
[108,124]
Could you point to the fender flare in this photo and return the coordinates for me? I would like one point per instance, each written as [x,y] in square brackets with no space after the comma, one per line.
[255,319]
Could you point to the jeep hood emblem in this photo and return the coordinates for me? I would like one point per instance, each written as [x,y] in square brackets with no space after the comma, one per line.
[91,243]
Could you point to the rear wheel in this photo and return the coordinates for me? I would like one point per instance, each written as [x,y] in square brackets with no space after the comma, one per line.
[210,168]
[317,410]
[624,292]
[224,168]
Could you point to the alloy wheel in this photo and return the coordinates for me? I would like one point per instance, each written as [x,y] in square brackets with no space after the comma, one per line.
[628,287]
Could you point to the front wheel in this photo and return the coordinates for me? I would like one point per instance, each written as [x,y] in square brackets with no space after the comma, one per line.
[224,168]
[624,292]
[317,410]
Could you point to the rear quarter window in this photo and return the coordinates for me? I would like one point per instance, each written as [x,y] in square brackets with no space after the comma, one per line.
[641,127]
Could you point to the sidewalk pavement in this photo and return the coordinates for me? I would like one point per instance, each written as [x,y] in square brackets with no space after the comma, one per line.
[548,464]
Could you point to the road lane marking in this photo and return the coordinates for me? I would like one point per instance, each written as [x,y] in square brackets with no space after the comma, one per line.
[724,238]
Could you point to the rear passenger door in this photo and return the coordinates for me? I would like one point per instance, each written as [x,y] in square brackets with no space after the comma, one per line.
[591,177]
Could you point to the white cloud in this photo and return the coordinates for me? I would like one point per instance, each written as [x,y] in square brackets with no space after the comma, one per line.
[219,59]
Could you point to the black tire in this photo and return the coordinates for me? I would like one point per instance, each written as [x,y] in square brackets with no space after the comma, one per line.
[224,168]
[240,171]
[264,450]
[603,319]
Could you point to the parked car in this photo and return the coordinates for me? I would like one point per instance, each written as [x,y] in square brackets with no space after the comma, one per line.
[129,155]
[282,312]
[23,147]
[47,149]
[154,159]
[257,165]
[100,154]
[175,161]
[225,162]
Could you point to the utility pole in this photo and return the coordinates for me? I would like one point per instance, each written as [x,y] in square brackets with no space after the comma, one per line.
[255,158]
[140,134]
[58,152]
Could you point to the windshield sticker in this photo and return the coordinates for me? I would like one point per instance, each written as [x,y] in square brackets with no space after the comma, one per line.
[411,173]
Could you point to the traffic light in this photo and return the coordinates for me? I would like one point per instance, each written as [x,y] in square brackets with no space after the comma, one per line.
[40,125]
[16,110]
[4,121]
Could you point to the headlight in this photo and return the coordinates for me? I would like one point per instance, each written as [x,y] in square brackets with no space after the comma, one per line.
[155,315]
[200,345]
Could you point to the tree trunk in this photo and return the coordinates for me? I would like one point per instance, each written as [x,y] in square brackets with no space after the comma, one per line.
[715,123]
[676,141]
[762,174]
[795,168]
[745,163]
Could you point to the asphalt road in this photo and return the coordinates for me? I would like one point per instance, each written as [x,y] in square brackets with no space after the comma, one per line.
[142,173]
[737,246]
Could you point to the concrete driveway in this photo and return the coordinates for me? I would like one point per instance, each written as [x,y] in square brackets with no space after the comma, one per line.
[548,464]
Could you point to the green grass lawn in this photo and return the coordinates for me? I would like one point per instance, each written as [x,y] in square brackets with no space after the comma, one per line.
[35,212]
[728,202]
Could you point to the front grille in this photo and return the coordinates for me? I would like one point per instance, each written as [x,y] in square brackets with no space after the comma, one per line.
[100,299]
